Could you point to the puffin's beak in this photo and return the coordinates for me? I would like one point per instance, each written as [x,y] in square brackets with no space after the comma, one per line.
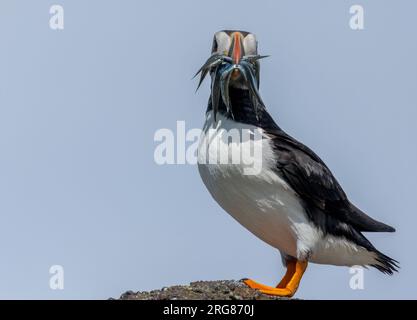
[232,65]
[236,51]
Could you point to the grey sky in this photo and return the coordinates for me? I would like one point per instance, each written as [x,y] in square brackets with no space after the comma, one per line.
[78,110]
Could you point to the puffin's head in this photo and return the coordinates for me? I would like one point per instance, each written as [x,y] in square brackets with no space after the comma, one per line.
[234,62]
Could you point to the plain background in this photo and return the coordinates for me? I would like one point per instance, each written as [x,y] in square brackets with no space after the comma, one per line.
[79,186]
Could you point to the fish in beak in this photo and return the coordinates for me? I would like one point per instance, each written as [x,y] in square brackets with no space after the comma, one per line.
[234,62]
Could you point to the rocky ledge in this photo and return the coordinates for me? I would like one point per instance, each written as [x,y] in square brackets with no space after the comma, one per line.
[202,290]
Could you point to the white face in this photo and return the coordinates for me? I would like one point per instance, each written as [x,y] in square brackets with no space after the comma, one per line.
[223,40]
[234,62]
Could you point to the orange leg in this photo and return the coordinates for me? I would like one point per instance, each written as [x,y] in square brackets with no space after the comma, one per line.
[289,283]
[288,275]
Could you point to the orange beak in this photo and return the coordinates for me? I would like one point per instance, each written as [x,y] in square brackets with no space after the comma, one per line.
[236,49]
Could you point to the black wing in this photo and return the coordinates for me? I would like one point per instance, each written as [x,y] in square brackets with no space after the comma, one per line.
[313,181]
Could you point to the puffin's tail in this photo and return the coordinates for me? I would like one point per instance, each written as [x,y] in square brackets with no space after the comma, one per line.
[379,260]
[385,264]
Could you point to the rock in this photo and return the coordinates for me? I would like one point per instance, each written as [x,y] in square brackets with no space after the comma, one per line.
[202,290]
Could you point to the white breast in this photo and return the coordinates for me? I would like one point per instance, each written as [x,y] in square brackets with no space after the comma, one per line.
[263,203]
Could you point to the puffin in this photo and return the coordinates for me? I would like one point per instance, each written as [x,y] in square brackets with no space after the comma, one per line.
[293,203]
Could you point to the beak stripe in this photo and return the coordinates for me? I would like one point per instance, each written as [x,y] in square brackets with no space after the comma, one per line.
[237,49]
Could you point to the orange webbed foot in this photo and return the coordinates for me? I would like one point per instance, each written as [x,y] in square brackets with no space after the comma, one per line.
[289,283]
